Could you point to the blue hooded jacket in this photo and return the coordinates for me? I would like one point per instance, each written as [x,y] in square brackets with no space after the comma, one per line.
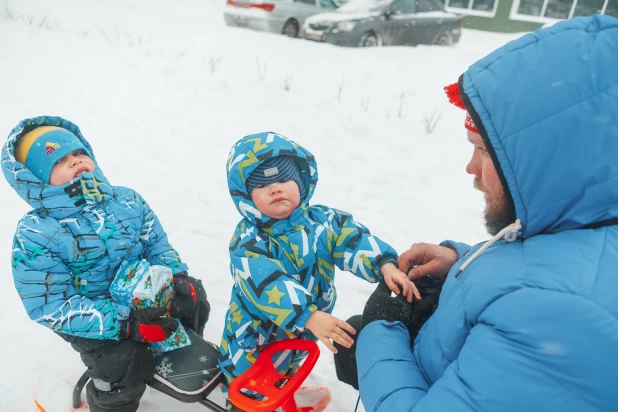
[284,270]
[67,249]
[530,325]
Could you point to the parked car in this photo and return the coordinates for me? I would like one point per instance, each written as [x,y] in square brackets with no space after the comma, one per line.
[275,16]
[368,23]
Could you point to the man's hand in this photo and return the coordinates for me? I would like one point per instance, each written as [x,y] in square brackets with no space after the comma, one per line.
[393,277]
[381,306]
[149,325]
[190,300]
[326,327]
[424,259]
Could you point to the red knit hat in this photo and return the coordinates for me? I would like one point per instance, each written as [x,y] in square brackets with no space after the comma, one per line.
[452,92]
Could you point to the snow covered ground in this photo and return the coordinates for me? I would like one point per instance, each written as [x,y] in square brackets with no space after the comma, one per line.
[163,89]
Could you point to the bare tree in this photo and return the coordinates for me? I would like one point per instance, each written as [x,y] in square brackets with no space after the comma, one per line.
[340,88]
[401,103]
[430,121]
[287,81]
[365,103]
[261,69]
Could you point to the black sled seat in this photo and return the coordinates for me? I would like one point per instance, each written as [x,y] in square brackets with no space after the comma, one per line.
[188,374]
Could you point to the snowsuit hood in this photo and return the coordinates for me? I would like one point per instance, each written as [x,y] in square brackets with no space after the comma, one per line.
[244,158]
[551,126]
[56,201]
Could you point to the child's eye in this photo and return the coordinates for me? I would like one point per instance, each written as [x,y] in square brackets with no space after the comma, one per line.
[261,186]
[78,153]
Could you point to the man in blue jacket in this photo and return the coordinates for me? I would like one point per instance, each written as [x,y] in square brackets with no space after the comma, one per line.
[527,321]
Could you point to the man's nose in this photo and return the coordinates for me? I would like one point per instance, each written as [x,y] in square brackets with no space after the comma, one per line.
[472,168]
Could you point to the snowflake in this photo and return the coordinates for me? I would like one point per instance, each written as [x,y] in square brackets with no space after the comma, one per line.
[203,358]
[164,369]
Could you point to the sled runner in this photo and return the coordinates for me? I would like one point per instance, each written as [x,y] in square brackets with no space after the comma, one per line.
[191,373]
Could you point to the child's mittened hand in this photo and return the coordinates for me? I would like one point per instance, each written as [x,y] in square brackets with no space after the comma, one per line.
[326,327]
[393,277]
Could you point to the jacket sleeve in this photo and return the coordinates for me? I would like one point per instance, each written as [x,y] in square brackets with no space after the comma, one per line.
[157,249]
[270,292]
[45,285]
[354,248]
[531,349]
[460,248]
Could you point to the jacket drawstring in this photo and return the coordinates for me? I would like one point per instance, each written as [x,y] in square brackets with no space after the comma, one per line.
[509,233]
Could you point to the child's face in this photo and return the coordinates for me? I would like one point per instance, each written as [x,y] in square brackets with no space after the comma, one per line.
[277,200]
[69,167]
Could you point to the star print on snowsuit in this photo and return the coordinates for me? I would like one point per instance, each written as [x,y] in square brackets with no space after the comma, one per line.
[284,270]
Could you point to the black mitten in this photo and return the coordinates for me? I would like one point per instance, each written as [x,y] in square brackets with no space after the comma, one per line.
[190,303]
[149,325]
[381,306]
[423,309]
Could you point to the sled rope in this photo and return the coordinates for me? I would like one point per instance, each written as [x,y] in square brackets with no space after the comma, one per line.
[38,406]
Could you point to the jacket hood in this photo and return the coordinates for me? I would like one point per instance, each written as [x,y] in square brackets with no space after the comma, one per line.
[245,157]
[548,118]
[56,201]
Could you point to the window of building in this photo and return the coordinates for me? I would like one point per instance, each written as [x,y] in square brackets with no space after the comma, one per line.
[485,8]
[542,11]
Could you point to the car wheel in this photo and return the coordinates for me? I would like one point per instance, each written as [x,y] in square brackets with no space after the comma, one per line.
[445,39]
[290,28]
[370,39]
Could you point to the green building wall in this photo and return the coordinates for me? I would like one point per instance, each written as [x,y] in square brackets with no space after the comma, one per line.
[501,22]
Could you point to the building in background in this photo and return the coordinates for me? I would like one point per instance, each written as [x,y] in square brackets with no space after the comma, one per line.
[511,16]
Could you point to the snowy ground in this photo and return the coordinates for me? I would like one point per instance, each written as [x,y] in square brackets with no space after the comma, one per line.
[163,89]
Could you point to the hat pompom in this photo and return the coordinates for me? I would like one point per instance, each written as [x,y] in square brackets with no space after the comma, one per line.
[452,92]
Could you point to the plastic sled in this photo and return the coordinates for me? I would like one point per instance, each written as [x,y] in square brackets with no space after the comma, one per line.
[191,373]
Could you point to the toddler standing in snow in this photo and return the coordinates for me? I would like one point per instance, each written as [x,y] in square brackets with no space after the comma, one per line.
[66,252]
[284,252]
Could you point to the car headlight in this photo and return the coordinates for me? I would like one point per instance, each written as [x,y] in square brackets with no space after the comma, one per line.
[346,25]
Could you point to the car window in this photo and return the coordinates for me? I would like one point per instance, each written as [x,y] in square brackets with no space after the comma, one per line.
[425,6]
[310,2]
[363,5]
[403,7]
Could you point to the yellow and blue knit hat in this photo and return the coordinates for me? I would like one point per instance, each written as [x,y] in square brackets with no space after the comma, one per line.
[41,148]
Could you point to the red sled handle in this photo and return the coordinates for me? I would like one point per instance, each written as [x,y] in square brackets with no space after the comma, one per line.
[262,376]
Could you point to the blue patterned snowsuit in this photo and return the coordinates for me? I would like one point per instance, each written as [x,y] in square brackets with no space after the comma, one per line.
[67,249]
[284,270]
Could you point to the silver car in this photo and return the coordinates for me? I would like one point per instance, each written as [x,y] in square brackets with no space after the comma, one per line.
[275,16]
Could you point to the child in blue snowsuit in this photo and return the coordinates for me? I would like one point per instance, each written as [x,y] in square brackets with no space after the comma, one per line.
[284,252]
[66,252]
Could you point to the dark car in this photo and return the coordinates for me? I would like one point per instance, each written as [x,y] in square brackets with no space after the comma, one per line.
[368,23]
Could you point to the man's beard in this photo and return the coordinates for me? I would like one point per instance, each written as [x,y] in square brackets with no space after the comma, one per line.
[498,213]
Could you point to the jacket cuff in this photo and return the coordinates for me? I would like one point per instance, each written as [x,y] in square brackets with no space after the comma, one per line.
[124,313]
[460,248]
[304,316]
